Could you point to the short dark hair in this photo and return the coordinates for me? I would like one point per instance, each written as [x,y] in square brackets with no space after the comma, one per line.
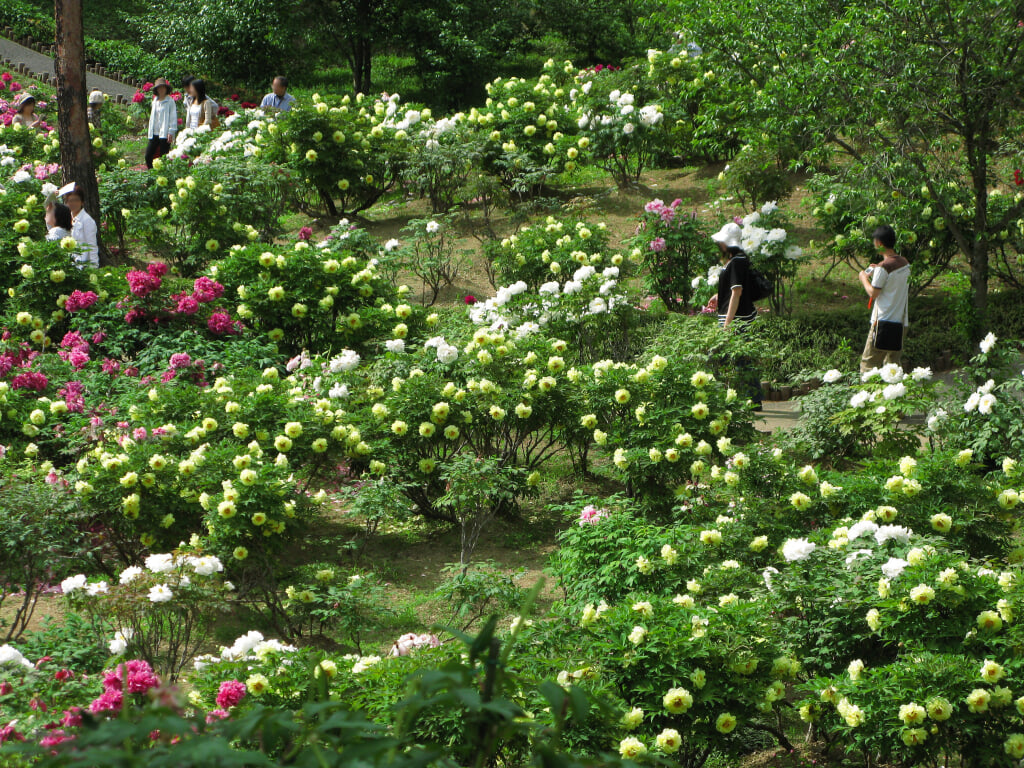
[282,80]
[886,235]
[62,216]
[187,80]
[200,86]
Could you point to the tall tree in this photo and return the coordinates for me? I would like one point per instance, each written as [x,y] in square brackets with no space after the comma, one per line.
[72,112]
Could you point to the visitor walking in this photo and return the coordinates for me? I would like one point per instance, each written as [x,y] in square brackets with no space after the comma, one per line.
[96,102]
[58,221]
[278,98]
[83,228]
[735,303]
[163,122]
[25,112]
[887,285]
[201,110]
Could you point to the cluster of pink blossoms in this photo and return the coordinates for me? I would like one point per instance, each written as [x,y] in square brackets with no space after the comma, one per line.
[591,515]
[135,676]
[79,300]
[142,284]
[74,349]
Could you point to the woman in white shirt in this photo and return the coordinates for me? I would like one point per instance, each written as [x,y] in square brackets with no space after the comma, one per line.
[83,229]
[163,122]
[202,110]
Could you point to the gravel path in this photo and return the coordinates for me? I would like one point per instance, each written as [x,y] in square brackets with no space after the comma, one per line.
[39,63]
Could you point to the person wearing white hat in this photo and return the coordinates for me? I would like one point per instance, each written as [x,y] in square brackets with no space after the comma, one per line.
[96,101]
[735,302]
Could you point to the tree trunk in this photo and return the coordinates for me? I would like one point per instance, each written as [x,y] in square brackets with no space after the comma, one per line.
[72,113]
[977,155]
[362,56]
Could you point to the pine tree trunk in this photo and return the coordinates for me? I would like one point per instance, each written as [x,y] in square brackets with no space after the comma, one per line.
[72,113]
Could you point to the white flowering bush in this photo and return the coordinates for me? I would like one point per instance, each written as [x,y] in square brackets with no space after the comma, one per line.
[692,672]
[772,250]
[591,310]
[162,612]
[856,415]
[984,413]
[489,393]
[625,119]
[664,424]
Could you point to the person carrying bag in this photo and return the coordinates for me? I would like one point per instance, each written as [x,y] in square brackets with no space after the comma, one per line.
[888,288]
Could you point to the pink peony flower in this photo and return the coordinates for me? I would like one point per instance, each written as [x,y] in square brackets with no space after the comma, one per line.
[31,380]
[658,244]
[231,692]
[206,290]
[654,206]
[591,515]
[72,717]
[79,300]
[220,323]
[108,701]
[180,360]
[305,233]
[216,714]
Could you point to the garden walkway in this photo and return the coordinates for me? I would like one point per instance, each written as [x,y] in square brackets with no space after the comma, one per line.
[39,64]
[778,415]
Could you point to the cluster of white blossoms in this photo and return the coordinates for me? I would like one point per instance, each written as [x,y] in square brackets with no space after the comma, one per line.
[892,375]
[761,241]
[551,302]
[252,647]
[982,400]
[622,112]
[446,353]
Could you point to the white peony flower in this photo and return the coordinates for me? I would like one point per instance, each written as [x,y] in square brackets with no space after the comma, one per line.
[129,574]
[797,549]
[71,583]
[893,567]
[860,399]
[895,533]
[894,391]
[160,563]
[391,245]
[10,656]
[891,373]
[986,344]
[861,528]
[395,345]
[160,594]
[985,404]
[832,376]
[921,374]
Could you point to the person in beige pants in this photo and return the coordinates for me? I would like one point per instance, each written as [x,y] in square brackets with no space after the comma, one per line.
[887,285]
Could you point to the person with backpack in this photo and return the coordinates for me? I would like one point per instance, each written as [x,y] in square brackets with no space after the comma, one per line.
[739,286]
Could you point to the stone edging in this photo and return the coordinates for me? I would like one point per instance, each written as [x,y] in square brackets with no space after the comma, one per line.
[47,49]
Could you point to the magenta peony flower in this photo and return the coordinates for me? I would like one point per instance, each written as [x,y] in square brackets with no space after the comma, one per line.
[305,233]
[79,300]
[658,244]
[231,692]
[220,323]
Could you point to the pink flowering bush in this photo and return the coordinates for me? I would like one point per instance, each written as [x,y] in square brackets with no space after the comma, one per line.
[673,246]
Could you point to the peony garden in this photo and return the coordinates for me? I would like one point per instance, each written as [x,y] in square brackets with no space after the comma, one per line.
[392,433]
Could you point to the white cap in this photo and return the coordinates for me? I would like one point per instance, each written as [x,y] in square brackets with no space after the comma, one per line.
[731,235]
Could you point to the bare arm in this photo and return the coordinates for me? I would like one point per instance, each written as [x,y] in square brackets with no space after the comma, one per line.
[734,304]
[865,280]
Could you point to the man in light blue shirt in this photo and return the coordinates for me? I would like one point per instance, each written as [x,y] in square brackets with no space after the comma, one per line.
[278,98]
